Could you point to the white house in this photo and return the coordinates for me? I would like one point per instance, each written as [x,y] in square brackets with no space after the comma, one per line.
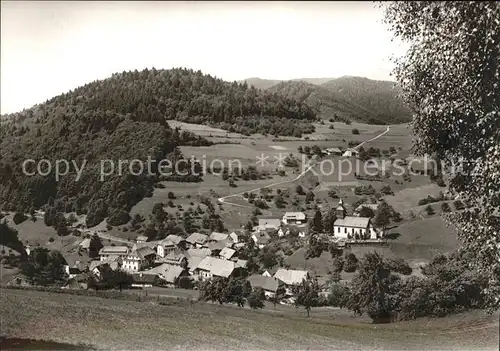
[291,278]
[352,227]
[350,153]
[261,239]
[165,247]
[269,284]
[109,252]
[269,224]
[287,231]
[333,151]
[215,267]
[141,239]
[294,218]
[139,259]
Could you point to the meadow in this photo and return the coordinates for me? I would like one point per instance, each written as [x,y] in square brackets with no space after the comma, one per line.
[116,324]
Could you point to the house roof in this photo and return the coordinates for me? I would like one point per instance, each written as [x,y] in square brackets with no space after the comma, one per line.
[217,266]
[218,236]
[241,263]
[167,272]
[227,253]
[353,222]
[146,251]
[234,237]
[266,283]
[203,252]
[175,239]
[218,245]
[269,223]
[114,265]
[374,207]
[295,215]
[197,238]
[175,257]
[167,243]
[262,238]
[333,149]
[193,262]
[142,238]
[85,244]
[290,276]
[107,250]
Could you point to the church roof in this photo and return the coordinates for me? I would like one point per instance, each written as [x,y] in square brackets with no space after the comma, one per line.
[353,222]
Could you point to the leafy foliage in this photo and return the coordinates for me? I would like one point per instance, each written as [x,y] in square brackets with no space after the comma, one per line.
[306,294]
[44,267]
[450,78]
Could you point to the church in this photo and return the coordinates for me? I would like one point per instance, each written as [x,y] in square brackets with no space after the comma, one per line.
[350,227]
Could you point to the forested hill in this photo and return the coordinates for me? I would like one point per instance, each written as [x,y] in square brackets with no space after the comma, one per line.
[353,98]
[377,96]
[124,117]
[323,101]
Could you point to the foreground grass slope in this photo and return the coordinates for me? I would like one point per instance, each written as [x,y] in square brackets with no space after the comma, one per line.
[115,324]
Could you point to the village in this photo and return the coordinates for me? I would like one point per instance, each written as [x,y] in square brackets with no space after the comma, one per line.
[178,262]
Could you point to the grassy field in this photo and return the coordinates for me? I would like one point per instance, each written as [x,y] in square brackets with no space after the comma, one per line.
[115,324]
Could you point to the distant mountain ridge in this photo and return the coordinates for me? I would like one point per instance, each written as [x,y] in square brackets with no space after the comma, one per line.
[348,97]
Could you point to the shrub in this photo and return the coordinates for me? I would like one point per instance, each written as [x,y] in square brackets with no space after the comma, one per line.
[429,210]
[351,263]
[18,218]
[338,296]
[355,131]
[51,240]
[171,195]
[459,205]
[445,207]
[398,265]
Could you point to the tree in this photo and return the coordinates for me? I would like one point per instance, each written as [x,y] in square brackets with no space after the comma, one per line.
[382,215]
[278,295]
[18,218]
[459,205]
[95,245]
[366,212]
[279,202]
[429,210]
[450,78]
[338,264]
[370,289]
[44,267]
[351,263]
[306,294]
[445,207]
[299,190]
[317,222]
[307,149]
[299,149]
[267,257]
[257,298]
[355,131]
[329,220]
[171,195]
[309,196]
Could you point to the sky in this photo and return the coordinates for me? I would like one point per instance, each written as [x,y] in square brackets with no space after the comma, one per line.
[48,48]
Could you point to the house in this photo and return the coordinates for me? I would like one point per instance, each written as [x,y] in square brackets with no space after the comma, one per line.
[270,225]
[168,274]
[352,227]
[179,241]
[261,239]
[176,258]
[240,263]
[141,239]
[75,264]
[79,281]
[216,247]
[234,237]
[196,240]
[215,236]
[358,209]
[294,218]
[143,280]
[287,230]
[84,245]
[202,252]
[291,278]
[270,285]
[333,151]
[165,247]
[227,253]
[215,267]
[350,153]
[139,259]
[109,251]
[96,266]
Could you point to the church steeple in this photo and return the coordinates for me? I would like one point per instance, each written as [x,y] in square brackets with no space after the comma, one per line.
[341,212]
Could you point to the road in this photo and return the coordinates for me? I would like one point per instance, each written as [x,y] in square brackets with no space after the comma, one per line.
[309,167]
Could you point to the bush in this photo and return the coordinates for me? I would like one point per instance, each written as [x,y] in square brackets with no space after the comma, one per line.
[171,195]
[429,210]
[398,265]
[338,296]
[355,131]
[459,205]
[18,218]
[445,207]
[256,299]
[118,217]
[351,263]
[51,240]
